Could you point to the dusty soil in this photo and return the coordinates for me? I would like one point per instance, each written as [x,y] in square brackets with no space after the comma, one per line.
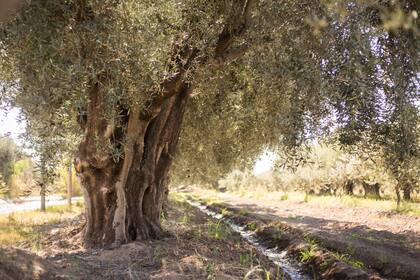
[386,242]
[23,265]
[199,248]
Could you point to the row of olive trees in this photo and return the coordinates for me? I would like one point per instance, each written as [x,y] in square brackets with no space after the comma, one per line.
[326,171]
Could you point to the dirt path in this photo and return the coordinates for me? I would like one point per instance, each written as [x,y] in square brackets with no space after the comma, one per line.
[386,241]
[197,248]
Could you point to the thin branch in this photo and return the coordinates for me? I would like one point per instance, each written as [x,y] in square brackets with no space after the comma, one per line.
[230,56]
[230,32]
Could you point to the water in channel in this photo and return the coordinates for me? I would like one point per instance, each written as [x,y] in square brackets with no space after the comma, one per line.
[278,258]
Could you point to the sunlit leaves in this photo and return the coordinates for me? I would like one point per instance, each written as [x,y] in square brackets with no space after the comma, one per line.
[314,68]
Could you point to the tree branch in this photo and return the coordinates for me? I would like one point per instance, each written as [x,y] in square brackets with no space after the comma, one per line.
[230,56]
[236,29]
[8,8]
[175,83]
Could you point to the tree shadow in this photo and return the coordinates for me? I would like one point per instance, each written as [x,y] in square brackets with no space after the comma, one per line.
[392,254]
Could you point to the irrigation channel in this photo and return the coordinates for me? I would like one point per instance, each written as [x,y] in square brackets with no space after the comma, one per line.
[279,258]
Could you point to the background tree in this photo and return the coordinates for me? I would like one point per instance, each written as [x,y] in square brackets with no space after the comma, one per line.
[9,154]
[3,187]
[48,150]
[258,75]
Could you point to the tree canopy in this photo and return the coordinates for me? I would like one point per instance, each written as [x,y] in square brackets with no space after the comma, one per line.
[288,71]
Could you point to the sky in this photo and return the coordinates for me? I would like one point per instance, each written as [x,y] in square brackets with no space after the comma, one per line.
[264,163]
[9,123]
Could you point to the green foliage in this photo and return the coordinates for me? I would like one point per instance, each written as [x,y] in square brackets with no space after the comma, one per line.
[9,154]
[310,80]
[22,182]
[348,259]
[61,182]
[312,68]
[246,260]
[16,176]
[326,171]
[218,230]
[308,254]
[252,226]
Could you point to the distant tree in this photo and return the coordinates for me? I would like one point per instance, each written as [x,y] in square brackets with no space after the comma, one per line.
[7,158]
[256,74]
[48,149]
[10,153]
[22,181]
[3,187]
[46,172]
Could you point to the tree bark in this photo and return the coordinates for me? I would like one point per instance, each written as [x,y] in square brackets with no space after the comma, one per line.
[124,199]
[70,184]
[42,194]
[407,193]
[398,193]
[372,190]
[348,187]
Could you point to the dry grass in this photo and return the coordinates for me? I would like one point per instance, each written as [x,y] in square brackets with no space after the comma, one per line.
[386,205]
[29,225]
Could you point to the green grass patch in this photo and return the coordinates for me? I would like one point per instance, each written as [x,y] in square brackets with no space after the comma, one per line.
[348,259]
[218,230]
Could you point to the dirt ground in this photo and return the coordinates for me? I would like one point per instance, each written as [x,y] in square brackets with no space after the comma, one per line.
[199,248]
[385,241]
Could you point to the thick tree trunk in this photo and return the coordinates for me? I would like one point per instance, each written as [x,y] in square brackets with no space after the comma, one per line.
[43,194]
[124,199]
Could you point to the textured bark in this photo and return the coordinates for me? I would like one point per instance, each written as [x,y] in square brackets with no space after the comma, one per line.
[70,185]
[124,199]
[407,193]
[348,187]
[372,190]
[42,193]
[8,8]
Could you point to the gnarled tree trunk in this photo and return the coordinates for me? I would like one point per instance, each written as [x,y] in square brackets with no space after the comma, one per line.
[124,199]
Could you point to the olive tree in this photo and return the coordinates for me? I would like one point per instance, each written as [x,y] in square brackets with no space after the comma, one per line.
[242,75]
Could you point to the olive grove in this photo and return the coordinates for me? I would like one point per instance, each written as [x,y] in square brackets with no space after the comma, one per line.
[223,80]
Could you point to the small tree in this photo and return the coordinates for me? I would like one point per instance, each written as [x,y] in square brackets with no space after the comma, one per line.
[46,172]
[3,187]
[47,149]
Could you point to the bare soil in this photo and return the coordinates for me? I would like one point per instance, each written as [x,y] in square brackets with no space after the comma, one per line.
[385,242]
[198,248]
[23,265]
